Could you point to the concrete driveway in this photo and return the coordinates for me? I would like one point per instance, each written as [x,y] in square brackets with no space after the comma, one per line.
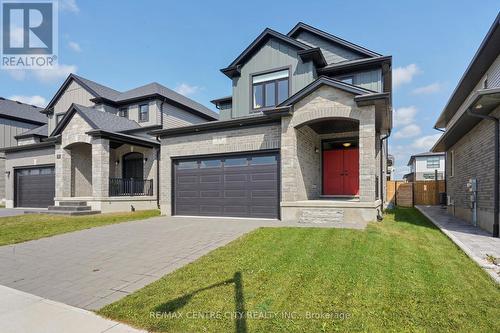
[4,212]
[95,267]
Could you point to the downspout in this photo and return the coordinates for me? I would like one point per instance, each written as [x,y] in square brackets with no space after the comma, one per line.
[496,186]
[382,168]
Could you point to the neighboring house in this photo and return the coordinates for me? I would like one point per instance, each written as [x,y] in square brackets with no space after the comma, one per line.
[423,166]
[470,140]
[95,152]
[390,167]
[302,137]
[16,118]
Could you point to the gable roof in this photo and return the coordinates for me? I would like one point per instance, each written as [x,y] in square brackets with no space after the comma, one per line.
[42,131]
[233,68]
[21,112]
[157,89]
[324,80]
[108,95]
[487,53]
[100,120]
[325,35]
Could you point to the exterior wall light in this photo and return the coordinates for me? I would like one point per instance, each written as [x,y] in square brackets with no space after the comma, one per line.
[346,144]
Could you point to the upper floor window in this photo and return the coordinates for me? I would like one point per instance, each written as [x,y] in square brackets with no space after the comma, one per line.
[433,163]
[347,79]
[123,112]
[270,89]
[59,118]
[143,113]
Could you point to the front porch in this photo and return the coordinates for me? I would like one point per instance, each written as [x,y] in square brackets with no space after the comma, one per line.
[107,174]
[332,161]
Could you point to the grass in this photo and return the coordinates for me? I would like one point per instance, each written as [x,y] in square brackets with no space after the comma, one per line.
[399,275]
[21,228]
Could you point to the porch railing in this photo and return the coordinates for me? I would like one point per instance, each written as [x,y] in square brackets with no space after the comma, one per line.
[130,187]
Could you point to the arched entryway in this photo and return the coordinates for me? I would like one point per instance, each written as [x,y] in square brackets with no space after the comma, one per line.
[133,166]
[81,169]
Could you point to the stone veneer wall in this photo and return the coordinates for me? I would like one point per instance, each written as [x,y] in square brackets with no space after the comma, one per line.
[327,103]
[81,170]
[229,141]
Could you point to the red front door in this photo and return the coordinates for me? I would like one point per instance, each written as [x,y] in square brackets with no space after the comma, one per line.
[341,171]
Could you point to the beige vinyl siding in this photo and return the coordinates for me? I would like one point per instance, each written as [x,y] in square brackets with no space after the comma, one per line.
[74,93]
[332,52]
[177,117]
[272,55]
[10,128]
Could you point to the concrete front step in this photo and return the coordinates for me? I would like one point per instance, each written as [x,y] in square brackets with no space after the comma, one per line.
[321,215]
[70,208]
[72,203]
[66,212]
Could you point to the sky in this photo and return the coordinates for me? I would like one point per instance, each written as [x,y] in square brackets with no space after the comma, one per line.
[184,44]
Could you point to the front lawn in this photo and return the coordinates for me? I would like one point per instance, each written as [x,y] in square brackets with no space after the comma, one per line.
[21,228]
[399,275]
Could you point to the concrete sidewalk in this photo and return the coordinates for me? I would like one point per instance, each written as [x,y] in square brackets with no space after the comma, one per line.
[475,242]
[22,312]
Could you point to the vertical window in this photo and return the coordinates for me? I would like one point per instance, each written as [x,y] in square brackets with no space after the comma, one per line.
[59,118]
[123,112]
[347,79]
[452,163]
[270,89]
[143,113]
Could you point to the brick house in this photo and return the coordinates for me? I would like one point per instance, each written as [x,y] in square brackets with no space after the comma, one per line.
[302,137]
[470,139]
[16,118]
[95,154]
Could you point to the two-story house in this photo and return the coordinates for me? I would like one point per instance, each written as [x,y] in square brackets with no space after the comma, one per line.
[470,121]
[16,119]
[96,153]
[424,166]
[302,137]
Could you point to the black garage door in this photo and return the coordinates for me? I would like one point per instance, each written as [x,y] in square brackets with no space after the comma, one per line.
[34,187]
[236,186]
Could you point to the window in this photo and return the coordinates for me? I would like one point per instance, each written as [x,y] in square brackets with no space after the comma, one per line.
[238,161]
[347,79]
[187,165]
[205,164]
[123,112]
[433,163]
[260,160]
[143,113]
[429,175]
[59,117]
[270,89]
[452,163]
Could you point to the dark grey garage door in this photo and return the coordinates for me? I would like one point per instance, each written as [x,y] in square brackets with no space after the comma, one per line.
[236,186]
[34,187]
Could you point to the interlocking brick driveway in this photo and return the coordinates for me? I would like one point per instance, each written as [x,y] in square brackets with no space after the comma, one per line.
[95,267]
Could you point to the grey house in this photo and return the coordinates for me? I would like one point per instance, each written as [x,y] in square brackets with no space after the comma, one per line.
[17,120]
[95,153]
[424,166]
[470,139]
[302,137]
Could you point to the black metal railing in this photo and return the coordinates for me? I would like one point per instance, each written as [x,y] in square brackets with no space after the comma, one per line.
[130,187]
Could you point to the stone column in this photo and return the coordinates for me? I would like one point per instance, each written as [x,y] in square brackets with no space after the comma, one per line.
[63,171]
[100,167]
[367,156]
[288,160]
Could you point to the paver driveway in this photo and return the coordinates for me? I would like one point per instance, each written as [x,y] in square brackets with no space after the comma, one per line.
[95,267]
